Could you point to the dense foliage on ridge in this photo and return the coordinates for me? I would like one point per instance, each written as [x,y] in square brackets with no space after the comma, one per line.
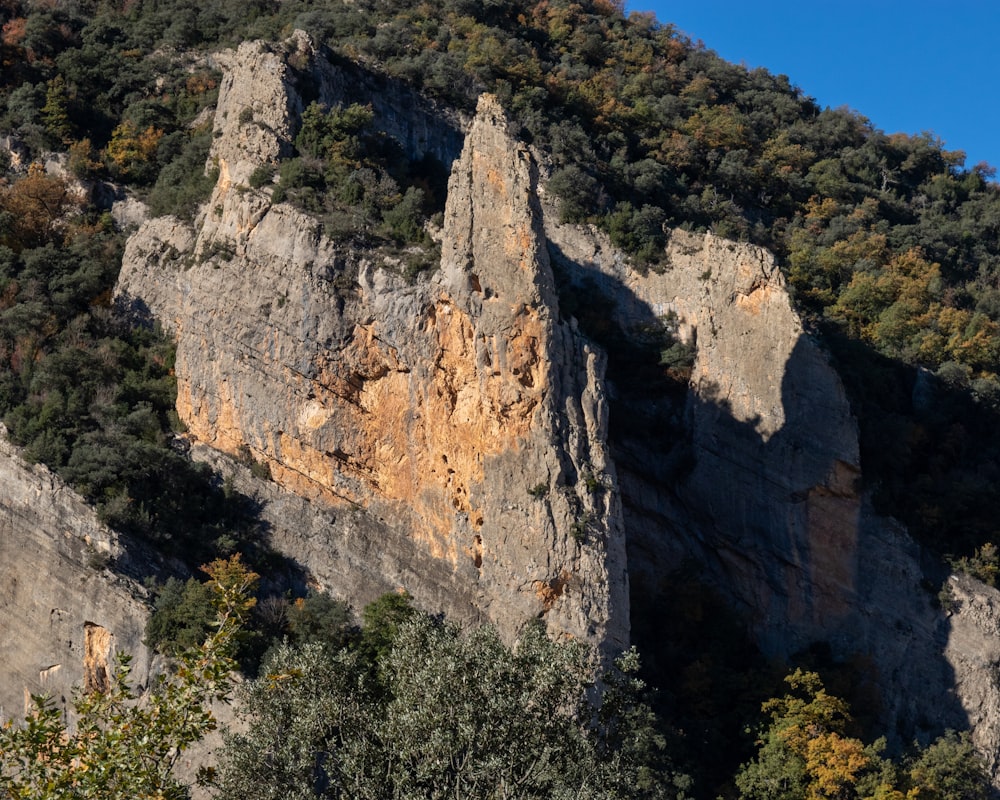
[89,394]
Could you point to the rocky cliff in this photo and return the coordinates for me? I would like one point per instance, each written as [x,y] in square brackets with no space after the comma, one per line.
[754,474]
[454,430]
[63,613]
[498,438]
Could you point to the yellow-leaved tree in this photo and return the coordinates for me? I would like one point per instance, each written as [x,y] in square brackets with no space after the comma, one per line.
[807,753]
[132,152]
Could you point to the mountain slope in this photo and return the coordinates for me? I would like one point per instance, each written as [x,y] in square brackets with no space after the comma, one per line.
[560,394]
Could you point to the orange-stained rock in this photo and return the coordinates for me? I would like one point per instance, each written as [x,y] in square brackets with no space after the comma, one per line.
[451,437]
[430,411]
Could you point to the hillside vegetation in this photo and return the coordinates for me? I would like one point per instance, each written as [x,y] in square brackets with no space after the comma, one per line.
[409,706]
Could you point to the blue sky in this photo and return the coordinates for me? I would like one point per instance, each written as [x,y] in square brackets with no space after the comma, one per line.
[907,66]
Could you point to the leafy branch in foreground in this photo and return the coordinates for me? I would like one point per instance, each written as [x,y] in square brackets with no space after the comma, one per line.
[124,747]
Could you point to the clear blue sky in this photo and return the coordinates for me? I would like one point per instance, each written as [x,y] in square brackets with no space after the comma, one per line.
[923,65]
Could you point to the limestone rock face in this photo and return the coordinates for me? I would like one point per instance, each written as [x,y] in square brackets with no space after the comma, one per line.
[256,119]
[973,652]
[774,486]
[63,614]
[263,93]
[452,430]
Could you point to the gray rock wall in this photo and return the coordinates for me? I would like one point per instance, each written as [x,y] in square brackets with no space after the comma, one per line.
[759,483]
[63,613]
[463,439]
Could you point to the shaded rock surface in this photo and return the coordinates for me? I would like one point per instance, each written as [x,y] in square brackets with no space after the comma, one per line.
[483,441]
[754,475]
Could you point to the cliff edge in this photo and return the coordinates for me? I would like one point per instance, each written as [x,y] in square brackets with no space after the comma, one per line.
[471,438]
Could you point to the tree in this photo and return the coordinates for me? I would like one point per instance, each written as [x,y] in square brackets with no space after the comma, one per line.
[310,726]
[807,754]
[576,191]
[404,221]
[55,113]
[317,617]
[478,719]
[382,620]
[131,153]
[447,714]
[124,749]
[950,769]
[336,134]
[35,203]
[182,616]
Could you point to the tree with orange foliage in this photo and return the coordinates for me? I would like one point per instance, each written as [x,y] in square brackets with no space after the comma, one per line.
[34,204]
[806,753]
[131,153]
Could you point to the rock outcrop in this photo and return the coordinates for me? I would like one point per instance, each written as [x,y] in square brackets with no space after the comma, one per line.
[758,478]
[63,613]
[973,652]
[453,429]
[266,87]
[768,488]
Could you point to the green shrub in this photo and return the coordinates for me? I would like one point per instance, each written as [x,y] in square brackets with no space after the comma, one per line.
[183,183]
[404,221]
[638,231]
[984,565]
[182,616]
[318,618]
[576,192]
[261,176]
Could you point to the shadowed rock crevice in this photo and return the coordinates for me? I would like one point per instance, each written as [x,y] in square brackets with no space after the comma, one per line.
[751,471]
